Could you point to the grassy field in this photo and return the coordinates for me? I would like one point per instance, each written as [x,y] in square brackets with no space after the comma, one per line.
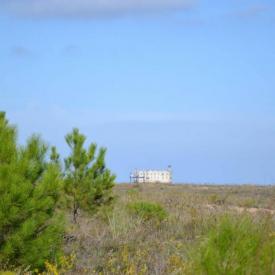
[177,229]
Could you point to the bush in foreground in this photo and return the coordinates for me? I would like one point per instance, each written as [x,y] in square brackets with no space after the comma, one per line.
[30,229]
[236,245]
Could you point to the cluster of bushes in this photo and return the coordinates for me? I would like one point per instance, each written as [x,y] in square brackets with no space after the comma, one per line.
[32,182]
[230,244]
[223,244]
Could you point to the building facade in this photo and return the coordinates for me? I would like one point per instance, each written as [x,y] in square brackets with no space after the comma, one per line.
[152,176]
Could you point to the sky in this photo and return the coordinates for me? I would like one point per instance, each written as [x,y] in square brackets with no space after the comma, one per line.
[159,82]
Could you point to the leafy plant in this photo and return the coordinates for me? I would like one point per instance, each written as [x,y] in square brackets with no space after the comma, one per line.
[148,210]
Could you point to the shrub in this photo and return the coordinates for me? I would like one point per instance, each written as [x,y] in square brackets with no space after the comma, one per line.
[148,211]
[127,261]
[30,230]
[235,245]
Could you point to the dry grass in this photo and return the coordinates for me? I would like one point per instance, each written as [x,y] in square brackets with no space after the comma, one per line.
[116,242]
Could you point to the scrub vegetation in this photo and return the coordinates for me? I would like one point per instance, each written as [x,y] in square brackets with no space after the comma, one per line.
[69,218]
[179,229]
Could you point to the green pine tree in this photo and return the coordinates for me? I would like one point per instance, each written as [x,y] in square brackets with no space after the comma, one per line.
[87,180]
[31,231]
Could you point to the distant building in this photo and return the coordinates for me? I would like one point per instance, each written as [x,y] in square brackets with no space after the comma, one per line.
[152,176]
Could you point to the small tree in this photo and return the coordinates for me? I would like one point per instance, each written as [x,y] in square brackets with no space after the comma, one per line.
[30,230]
[87,181]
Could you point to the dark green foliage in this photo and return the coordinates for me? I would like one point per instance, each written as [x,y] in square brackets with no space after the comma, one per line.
[236,245]
[87,181]
[30,230]
[148,211]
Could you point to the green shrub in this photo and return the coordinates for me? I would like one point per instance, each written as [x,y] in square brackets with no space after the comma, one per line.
[30,230]
[236,245]
[148,211]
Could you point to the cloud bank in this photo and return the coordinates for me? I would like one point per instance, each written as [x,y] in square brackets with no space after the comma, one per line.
[90,8]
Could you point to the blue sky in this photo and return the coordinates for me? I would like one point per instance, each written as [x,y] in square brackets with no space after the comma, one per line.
[186,83]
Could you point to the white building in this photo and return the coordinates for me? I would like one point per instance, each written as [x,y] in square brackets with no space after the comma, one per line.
[152,176]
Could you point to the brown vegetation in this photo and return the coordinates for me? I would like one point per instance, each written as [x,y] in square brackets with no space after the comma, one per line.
[117,242]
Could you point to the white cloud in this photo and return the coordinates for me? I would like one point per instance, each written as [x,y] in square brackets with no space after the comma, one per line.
[90,8]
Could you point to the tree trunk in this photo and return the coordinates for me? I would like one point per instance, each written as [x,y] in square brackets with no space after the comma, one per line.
[75,212]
